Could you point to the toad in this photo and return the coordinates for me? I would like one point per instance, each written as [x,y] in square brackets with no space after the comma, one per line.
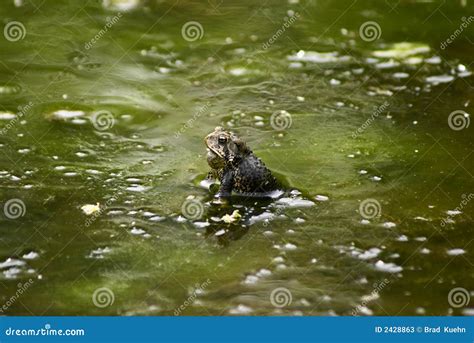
[236,167]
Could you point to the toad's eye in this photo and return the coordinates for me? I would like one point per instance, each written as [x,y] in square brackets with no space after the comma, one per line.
[222,139]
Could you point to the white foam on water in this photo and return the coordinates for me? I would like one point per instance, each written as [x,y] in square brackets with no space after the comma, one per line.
[251,280]
[456,252]
[439,79]
[402,238]
[220,233]
[265,216]
[387,267]
[321,198]
[137,188]
[201,225]
[7,116]
[264,272]
[241,309]
[66,114]
[295,202]
[314,57]
[31,255]
[11,262]
[371,253]
[12,273]
[289,246]
[156,219]
[120,5]
[137,231]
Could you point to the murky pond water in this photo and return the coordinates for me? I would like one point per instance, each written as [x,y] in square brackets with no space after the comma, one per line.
[108,102]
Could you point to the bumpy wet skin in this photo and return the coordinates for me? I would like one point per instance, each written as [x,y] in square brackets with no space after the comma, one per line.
[378,215]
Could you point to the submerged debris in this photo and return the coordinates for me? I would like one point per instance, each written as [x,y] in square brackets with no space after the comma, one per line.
[234,217]
[90,209]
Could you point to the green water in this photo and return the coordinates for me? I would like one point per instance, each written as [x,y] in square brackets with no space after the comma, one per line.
[369,123]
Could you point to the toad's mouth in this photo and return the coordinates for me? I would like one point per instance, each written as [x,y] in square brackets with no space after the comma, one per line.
[213,153]
[214,159]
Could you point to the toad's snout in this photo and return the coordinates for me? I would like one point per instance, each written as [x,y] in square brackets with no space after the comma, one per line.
[214,160]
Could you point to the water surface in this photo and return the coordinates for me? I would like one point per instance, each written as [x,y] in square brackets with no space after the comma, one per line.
[383,224]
